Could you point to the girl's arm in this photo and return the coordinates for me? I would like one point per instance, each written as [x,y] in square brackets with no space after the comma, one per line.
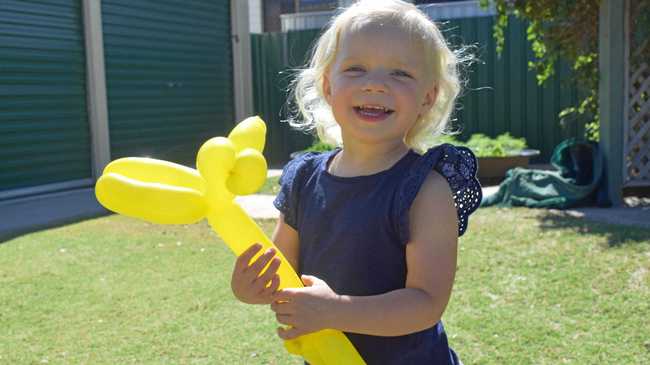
[286,239]
[431,264]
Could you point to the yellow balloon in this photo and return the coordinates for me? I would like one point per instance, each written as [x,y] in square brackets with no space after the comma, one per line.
[249,134]
[167,193]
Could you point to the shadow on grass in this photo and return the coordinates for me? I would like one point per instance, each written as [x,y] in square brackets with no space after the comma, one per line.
[13,233]
[615,234]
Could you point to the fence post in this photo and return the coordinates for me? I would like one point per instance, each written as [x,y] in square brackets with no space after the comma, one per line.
[241,60]
[612,92]
[96,86]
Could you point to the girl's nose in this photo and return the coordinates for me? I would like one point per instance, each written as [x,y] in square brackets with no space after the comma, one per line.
[374,83]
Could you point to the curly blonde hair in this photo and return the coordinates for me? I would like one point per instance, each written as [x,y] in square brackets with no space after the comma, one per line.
[313,113]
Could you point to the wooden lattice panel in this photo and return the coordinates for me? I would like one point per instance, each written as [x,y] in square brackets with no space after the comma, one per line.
[637,143]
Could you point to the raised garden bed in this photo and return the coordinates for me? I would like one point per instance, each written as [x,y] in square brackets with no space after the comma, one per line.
[492,170]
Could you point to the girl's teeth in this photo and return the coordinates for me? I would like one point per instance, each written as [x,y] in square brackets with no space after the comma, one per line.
[371,111]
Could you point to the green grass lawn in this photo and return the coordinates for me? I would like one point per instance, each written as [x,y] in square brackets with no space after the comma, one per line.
[531,288]
[270,187]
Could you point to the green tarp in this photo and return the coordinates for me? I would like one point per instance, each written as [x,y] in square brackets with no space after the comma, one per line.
[579,173]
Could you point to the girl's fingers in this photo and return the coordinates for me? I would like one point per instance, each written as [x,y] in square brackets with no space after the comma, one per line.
[287,294]
[242,261]
[283,308]
[270,272]
[260,263]
[309,280]
[290,333]
[273,286]
[283,319]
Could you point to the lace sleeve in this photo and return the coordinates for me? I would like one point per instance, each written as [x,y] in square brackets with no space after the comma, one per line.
[458,165]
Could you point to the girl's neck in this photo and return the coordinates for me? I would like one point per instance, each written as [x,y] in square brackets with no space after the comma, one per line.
[360,160]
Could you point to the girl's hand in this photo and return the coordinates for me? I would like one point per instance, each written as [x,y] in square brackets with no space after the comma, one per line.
[247,284]
[306,310]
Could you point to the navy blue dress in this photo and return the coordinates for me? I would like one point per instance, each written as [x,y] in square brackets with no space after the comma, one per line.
[353,232]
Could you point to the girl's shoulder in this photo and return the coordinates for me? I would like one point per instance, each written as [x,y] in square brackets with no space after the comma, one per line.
[294,175]
[302,165]
[458,166]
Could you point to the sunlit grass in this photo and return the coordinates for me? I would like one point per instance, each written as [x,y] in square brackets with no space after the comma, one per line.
[531,288]
[271,186]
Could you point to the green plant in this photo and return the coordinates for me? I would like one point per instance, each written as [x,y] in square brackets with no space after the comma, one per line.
[503,145]
[484,146]
[319,146]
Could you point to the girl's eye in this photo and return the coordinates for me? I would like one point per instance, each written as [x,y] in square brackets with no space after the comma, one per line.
[353,69]
[401,73]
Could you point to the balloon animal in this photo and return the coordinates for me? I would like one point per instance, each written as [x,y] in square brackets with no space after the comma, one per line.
[167,193]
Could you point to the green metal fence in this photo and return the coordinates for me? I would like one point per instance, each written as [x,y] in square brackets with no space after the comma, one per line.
[274,55]
[501,95]
[44,131]
[168,76]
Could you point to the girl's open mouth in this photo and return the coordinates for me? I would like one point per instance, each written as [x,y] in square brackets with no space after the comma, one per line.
[372,113]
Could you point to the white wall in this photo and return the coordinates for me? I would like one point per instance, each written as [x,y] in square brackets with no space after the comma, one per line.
[256,18]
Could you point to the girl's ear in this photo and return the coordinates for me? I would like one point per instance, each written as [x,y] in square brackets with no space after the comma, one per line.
[327,89]
[430,98]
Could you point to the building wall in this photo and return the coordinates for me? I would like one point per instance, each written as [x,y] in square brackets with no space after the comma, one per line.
[435,11]
[256,16]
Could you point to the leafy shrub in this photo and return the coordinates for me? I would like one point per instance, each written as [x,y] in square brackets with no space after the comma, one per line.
[319,146]
[503,145]
[484,146]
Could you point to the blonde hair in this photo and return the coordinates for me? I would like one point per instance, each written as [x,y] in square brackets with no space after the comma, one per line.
[307,88]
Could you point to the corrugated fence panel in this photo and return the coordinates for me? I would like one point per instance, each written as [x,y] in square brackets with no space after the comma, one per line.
[274,55]
[43,120]
[168,75]
[501,95]
[298,51]
[267,91]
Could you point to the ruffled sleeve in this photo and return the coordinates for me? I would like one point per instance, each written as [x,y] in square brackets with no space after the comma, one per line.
[458,165]
[290,182]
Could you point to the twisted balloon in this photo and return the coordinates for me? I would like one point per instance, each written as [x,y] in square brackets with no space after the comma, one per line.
[168,193]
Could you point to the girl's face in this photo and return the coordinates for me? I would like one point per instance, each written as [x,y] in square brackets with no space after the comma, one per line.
[378,85]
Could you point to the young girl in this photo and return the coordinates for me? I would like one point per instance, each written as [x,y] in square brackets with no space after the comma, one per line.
[372,227]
